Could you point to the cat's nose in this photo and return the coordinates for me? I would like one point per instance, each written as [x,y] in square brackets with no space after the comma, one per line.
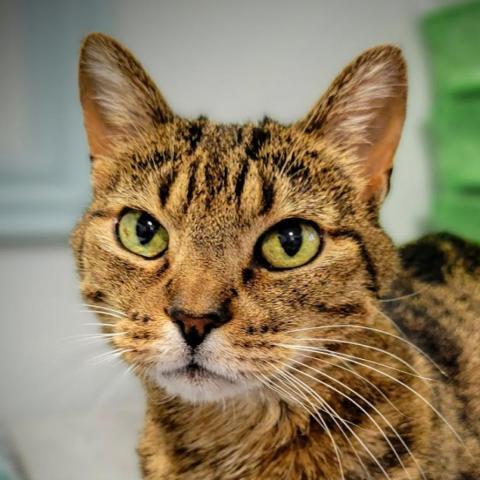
[195,327]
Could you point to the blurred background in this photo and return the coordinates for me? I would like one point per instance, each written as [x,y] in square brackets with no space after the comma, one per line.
[65,412]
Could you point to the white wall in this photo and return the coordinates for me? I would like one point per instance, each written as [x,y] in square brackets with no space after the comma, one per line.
[231,60]
[44,364]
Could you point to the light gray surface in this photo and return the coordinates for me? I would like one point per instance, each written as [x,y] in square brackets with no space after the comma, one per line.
[43,157]
[72,414]
[79,445]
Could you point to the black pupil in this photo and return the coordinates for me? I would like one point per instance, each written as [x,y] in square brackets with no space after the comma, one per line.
[290,236]
[146,228]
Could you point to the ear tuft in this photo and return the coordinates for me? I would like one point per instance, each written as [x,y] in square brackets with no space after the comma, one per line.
[362,114]
[118,98]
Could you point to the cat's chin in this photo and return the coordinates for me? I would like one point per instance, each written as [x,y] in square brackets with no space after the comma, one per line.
[199,385]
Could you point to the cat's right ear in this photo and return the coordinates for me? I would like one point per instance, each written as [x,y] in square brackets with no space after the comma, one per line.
[118,98]
[362,113]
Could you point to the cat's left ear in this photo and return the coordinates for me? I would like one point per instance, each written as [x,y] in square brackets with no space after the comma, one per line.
[362,115]
[119,99]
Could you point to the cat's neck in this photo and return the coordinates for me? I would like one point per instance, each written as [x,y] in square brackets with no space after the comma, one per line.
[254,429]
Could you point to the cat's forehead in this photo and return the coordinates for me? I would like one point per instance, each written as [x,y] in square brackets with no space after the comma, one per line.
[275,149]
[200,173]
[205,136]
[183,142]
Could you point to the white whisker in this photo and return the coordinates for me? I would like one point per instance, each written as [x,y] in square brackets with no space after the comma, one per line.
[107,356]
[357,405]
[99,324]
[415,347]
[353,433]
[376,330]
[89,338]
[350,369]
[101,307]
[346,355]
[101,312]
[403,297]
[317,417]
[369,347]
[421,397]
[375,409]
[326,407]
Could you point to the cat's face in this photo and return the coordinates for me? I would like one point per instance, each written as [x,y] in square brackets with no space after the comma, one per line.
[213,250]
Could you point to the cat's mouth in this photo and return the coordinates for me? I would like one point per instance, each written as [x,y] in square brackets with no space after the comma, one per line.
[195,373]
[197,383]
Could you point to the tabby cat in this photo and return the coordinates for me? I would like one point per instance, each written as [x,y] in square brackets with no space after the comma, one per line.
[241,271]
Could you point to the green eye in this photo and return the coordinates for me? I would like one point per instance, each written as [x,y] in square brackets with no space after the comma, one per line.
[289,244]
[140,233]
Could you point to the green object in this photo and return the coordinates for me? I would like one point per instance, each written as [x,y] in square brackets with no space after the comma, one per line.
[453,38]
[459,213]
[455,134]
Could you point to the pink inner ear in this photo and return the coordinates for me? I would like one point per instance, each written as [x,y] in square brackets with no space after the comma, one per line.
[377,155]
[362,114]
[97,131]
[118,97]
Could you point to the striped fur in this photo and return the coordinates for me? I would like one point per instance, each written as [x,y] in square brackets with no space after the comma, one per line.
[362,364]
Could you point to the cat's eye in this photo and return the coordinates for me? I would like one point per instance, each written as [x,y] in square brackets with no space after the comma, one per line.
[140,233]
[289,244]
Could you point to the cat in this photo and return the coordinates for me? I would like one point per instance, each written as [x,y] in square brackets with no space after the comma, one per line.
[241,271]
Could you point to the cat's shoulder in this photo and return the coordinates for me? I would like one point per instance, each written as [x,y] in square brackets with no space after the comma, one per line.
[435,258]
[435,299]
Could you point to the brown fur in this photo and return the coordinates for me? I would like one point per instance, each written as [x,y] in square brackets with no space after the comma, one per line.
[299,413]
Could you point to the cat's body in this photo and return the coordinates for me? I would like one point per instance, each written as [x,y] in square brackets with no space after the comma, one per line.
[349,362]
[435,301]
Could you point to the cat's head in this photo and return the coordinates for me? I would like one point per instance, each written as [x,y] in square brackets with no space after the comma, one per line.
[213,249]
